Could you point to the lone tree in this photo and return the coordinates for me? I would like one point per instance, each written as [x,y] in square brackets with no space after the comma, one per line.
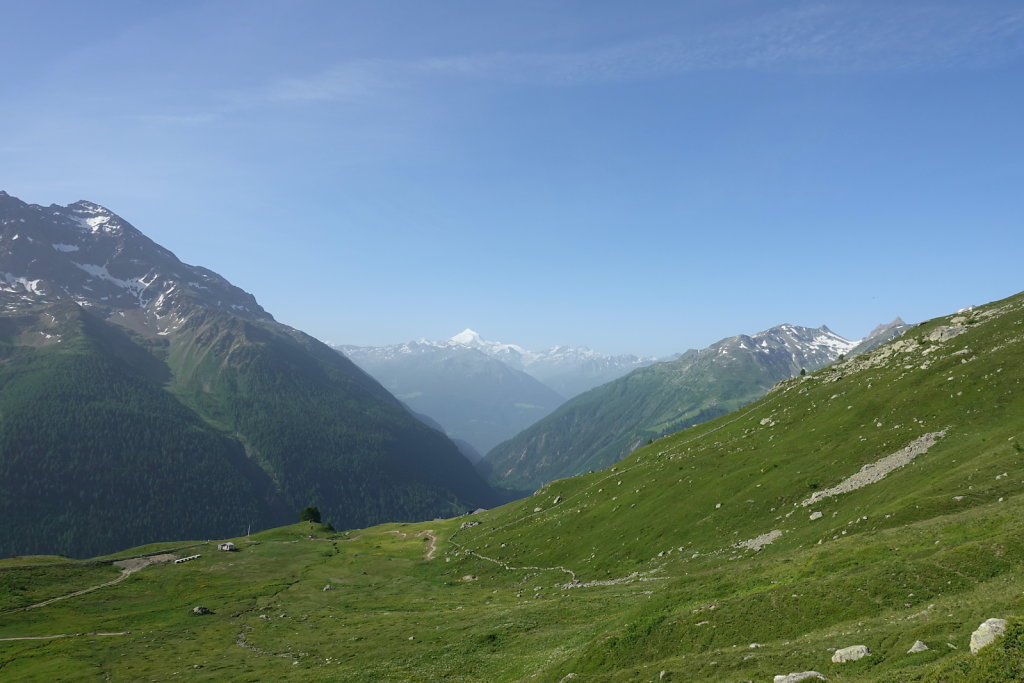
[310,514]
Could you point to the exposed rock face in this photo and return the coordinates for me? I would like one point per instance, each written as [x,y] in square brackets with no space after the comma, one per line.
[987,633]
[918,646]
[797,677]
[946,332]
[876,471]
[851,654]
[761,541]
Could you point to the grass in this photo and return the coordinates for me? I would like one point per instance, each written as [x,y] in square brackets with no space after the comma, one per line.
[927,553]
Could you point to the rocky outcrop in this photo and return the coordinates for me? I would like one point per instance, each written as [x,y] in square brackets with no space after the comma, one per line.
[851,654]
[797,677]
[876,471]
[946,332]
[761,541]
[987,633]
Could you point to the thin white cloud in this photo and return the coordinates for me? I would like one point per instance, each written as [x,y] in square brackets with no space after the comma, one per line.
[826,38]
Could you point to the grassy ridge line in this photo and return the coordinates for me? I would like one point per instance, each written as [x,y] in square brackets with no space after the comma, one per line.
[706,430]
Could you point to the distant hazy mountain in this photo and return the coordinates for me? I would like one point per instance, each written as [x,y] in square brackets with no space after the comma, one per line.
[569,370]
[880,335]
[142,398]
[605,424]
[474,397]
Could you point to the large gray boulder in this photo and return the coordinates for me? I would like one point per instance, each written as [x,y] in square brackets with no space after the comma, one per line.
[797,677]
[986,634]
[851,654]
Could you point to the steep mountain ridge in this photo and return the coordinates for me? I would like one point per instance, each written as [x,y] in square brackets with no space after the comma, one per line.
[197,353]
[602,426]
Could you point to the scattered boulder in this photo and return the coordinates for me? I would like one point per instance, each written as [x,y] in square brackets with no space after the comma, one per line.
[797,677]
[328,587]
[851,654]
[816,515]
[987,633]
[467,525]
[918,646]
[558,499]
[199,610]
[469,577]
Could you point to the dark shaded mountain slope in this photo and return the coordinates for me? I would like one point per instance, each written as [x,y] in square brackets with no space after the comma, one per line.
[144,398]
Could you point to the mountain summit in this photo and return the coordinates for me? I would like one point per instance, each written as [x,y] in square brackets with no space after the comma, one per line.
[603,425]
[143,398]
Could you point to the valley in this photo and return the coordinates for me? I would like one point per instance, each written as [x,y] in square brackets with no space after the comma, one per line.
[740,549]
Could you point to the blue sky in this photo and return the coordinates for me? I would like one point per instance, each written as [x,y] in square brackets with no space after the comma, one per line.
[636,177]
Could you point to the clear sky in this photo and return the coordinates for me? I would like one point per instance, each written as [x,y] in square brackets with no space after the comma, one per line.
[634,176]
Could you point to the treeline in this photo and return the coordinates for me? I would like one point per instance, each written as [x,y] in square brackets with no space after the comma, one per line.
[108,440]
[94,459]
[331,435]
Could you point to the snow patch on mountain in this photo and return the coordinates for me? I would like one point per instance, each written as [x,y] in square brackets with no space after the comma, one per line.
[29,286]
[93,217]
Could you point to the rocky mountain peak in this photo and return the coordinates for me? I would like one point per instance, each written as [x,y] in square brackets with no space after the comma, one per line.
[86,253]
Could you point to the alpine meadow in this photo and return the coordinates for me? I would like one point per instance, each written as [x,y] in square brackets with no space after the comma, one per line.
[873,502]
[513,341]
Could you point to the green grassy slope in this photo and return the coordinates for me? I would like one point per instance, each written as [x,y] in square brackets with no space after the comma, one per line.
[639,572]
[600,427]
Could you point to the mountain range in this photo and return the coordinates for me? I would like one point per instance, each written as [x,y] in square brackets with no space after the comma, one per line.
[860,523]
[568,370]
[485,392]
[475,397]
[142,397]
[603,425]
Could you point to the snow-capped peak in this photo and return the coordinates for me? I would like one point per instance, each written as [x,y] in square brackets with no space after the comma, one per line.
[467,337]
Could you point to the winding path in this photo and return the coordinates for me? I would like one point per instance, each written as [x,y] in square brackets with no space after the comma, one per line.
[67,635]
[128,567]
